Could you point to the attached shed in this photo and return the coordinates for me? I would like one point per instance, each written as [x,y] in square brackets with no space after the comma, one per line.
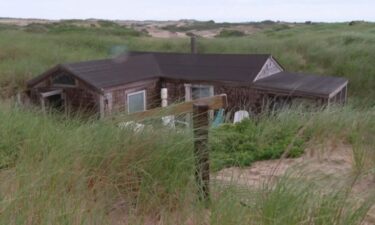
[133,82]
[296,85]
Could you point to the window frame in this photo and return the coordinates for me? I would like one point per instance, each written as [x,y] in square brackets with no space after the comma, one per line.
[135,93]
[63,85]
[189,90]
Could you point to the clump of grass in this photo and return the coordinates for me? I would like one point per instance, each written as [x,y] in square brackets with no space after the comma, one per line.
[55,170]
[269,136]
[230,33]
[292,200]
[69,171]
[249,141]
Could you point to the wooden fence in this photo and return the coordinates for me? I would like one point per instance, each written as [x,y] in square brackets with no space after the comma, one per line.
[200,109]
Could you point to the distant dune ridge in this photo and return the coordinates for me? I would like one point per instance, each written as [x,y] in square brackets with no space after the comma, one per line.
[165,29]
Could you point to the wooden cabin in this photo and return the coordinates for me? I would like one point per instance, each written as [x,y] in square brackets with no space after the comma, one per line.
[133,83]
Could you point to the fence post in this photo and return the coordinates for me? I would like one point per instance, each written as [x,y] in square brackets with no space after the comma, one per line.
[201,152]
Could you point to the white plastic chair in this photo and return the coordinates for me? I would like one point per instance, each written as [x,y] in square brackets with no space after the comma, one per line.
[240,115]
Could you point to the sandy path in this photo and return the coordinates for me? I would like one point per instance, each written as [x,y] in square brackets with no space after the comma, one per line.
[334,161]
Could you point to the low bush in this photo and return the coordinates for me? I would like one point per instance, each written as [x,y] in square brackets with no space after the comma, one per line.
[249,141]
[36,28]
[230,33]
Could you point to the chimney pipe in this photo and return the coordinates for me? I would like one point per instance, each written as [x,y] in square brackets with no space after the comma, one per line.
[193,45]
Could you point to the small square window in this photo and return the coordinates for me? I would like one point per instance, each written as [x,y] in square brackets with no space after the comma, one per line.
[137,101]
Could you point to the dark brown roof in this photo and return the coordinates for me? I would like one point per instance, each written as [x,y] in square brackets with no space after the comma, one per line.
[145,65]
[113,72]
[221,67]
[301,84]
[239,68]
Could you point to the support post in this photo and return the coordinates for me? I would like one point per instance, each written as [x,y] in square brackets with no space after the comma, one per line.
[43,104]
[101,106]
[64,97]
[18,98]
[200,128]
[346,95]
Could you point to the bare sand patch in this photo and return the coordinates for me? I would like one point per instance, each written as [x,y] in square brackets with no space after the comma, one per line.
[333,160]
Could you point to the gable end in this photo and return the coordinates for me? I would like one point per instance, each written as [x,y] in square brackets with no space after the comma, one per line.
[54,72]
[270,67]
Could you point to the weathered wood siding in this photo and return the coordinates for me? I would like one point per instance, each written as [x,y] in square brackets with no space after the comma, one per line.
[81,97]
[176,91]
[116,97]
[239,97]
[340,97]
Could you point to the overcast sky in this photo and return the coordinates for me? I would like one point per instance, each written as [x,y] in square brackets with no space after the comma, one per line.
[218,10]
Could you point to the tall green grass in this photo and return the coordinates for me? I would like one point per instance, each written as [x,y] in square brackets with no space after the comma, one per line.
[72,172]
[58,171]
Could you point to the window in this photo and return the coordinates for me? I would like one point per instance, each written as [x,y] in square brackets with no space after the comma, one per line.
[64,80]
[200,92]
[197,91]
[137,101]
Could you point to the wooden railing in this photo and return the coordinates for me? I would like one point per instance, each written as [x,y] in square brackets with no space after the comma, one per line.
[199,108]
[213,103]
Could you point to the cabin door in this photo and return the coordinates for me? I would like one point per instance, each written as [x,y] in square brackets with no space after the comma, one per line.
[53,100]
[56,102]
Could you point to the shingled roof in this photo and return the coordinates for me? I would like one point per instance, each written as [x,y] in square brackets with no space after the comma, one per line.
[145,65]
[240,68]
[113,72]
[221,67]
[301,84]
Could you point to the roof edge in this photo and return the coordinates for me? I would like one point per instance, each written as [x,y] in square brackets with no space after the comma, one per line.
[188,53]
[37,79]
[55,69]
[332,94]
[291,92]
[71,72]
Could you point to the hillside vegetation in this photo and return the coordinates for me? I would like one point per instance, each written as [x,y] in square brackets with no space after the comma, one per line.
[327,49]
[59,170]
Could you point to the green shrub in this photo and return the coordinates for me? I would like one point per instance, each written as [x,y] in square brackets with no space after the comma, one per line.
[230,33]
[249,141]
[36,28]
[107,23]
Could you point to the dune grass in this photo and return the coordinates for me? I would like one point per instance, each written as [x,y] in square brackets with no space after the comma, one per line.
[55,170]
[59,171]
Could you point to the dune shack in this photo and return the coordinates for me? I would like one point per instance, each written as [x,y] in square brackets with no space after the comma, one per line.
[133,83]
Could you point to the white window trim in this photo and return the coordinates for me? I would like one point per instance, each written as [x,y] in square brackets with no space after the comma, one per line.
[135,93]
